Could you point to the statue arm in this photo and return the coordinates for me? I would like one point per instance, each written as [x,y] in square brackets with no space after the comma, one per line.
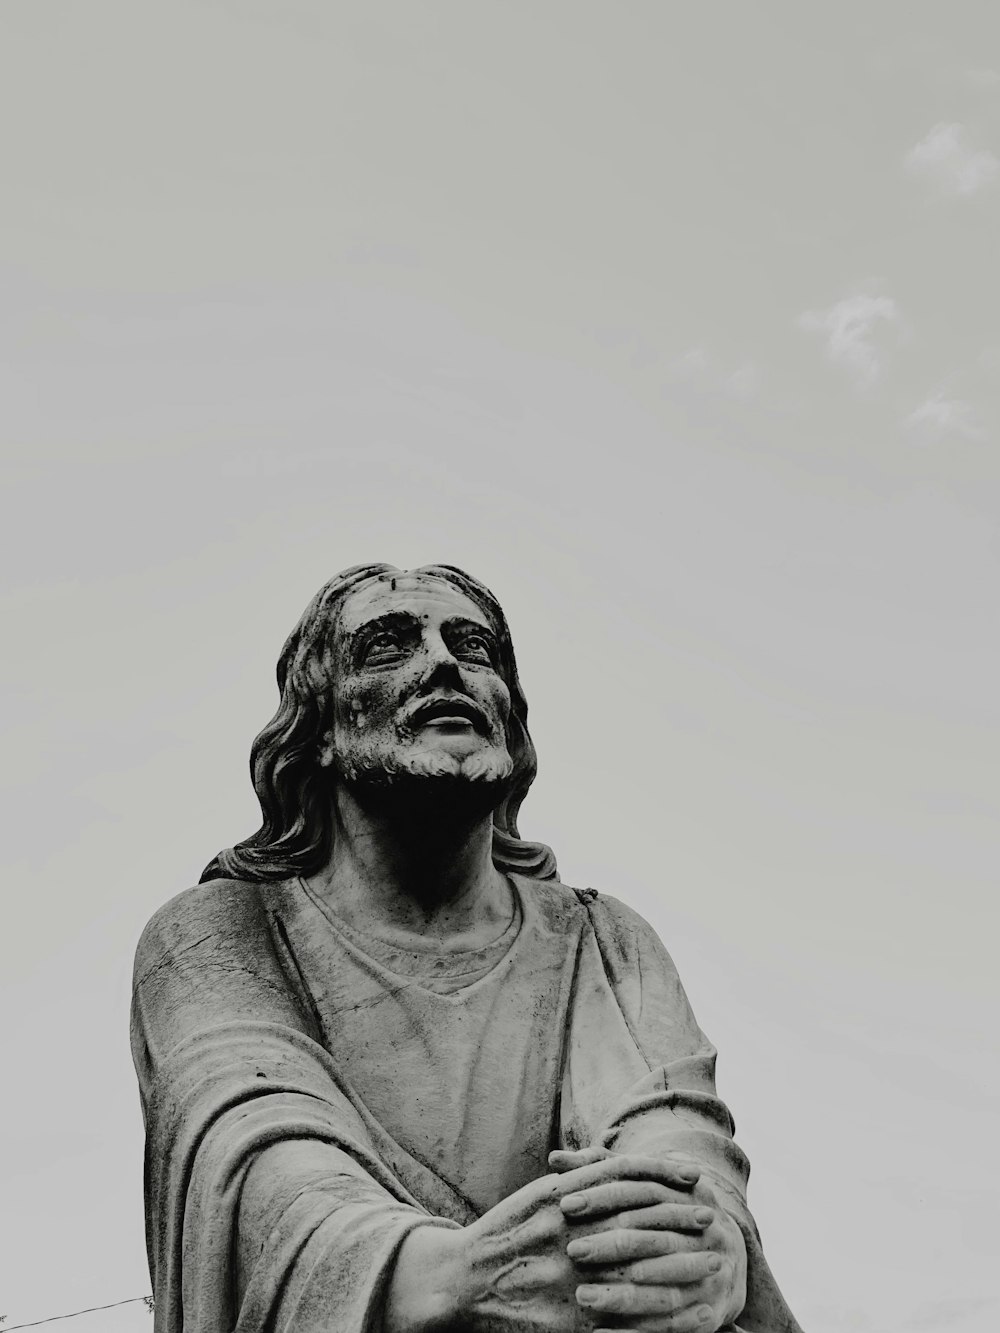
[671,1108]
[266,1203]
[674,1102]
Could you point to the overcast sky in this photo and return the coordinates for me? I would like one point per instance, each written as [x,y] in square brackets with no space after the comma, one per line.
[676,324]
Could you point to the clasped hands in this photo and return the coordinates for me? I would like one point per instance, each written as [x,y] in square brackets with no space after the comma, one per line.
[607,1241]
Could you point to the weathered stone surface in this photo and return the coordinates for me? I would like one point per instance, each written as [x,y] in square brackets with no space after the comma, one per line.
[395,1075]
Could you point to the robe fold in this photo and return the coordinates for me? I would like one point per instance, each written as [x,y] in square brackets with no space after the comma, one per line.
[307,1104]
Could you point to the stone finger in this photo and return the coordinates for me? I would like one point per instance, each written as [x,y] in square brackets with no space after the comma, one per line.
[671,1269]
[669,1216]
[675,1172]
[613,1197]
[621,1245]
[629,1299]
[569,1159]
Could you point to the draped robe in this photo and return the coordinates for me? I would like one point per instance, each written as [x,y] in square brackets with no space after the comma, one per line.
[306,1106]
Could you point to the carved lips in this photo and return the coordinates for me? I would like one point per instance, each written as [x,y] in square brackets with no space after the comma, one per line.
[446,711]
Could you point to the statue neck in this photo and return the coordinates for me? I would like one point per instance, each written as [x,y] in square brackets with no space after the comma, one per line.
[405,866]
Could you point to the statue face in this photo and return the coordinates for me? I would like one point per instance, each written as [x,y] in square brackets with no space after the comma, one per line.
[416,690]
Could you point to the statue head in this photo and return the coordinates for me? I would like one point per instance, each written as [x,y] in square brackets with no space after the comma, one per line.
[390,679]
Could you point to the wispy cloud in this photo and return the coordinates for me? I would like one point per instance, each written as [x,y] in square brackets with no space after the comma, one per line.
[743,383]
[983,77]
[850,330]
[941,416]
[946,157]
[690,365]
[703,371]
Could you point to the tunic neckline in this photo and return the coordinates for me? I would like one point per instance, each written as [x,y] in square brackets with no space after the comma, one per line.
[428,967]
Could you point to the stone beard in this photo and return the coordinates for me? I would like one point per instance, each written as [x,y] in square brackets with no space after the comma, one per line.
[379,749]
[395,1075]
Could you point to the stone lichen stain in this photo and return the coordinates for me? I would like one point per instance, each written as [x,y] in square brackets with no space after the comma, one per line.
[358,715]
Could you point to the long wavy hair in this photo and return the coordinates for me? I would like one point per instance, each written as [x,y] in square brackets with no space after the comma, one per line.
[296,832]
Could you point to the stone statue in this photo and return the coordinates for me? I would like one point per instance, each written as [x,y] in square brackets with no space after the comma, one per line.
[396,1077]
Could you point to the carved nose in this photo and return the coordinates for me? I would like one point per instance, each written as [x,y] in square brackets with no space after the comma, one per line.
[441,665]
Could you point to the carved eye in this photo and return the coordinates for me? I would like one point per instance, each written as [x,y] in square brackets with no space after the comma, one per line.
[382,646]
[476,647]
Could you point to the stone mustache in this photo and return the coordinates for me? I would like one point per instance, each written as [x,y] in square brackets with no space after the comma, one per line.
[398,1078]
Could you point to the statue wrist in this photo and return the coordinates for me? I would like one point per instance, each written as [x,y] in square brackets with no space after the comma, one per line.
[426,1287]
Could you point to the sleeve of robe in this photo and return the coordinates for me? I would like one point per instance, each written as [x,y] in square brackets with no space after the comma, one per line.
[640,1077]
[268,1207]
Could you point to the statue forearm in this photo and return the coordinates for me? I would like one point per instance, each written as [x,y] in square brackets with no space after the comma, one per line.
[427,1284]
[506,1272]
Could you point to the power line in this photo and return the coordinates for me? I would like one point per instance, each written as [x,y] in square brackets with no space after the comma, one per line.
[73,1314]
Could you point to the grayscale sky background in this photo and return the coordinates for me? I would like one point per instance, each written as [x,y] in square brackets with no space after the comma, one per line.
[676,324]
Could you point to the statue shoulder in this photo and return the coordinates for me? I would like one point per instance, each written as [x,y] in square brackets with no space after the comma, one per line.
[623,935]
[217,912]
[620,930]
[624,922]
[558,902]
[207,959]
